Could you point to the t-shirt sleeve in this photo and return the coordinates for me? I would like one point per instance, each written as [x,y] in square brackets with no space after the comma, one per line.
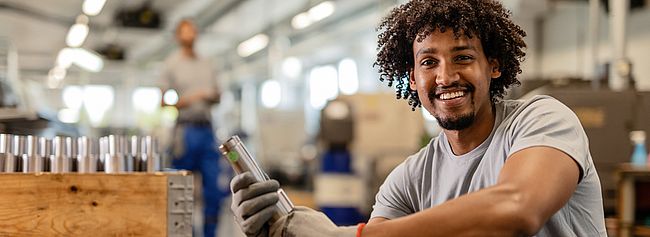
[392,199]
[548,122]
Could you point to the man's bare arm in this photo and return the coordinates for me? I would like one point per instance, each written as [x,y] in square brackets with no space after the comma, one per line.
[533,184]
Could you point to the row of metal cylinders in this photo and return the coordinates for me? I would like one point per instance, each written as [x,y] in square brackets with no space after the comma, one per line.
[109,154]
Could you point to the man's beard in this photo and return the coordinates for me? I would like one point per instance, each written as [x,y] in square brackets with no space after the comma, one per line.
[456,123]
[460,122]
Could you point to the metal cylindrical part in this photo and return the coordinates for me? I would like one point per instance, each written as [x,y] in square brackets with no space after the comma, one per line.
[71,152]
[7,160]
[125,153]
[150,154]
[114,162]
[86,160]
[241,160]
[33,161]
[134,153]
[45,150]
[18,149]
[59,163]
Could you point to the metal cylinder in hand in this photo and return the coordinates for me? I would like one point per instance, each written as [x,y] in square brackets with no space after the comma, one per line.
[241,161]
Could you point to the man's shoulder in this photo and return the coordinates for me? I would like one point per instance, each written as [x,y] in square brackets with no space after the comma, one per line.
[535,105]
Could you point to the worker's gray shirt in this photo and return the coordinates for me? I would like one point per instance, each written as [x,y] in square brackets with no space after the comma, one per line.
[188,75]
[435,175]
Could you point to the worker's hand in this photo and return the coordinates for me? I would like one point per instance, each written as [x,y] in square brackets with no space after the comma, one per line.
[253,203]
[305,221]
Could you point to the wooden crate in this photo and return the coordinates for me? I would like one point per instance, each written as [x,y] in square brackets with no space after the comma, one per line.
[133,204]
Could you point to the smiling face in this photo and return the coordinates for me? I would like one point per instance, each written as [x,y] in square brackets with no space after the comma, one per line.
[452,77]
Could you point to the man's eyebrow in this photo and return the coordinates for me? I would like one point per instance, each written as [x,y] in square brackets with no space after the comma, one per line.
[426,50]
[463,47]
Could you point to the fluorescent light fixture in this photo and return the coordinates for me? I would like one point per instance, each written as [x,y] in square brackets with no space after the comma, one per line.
[320,11]
[81,57]
[271,93]
[78,32]
[65,57]
[323,86]
[146,99]
[252,45]
[72,97]
[93,7]
[291,67]
[301,21]
[170,97]
[57,73]
[348,77]
[55,76]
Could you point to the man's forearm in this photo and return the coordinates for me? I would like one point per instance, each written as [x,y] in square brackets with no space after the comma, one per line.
[495,211]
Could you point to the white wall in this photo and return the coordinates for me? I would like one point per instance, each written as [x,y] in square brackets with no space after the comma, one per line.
[564,42]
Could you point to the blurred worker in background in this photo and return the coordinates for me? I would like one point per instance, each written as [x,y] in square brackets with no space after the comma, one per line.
[194,145]
[498,168]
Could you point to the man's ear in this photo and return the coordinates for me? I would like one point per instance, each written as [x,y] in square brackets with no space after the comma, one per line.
[495,72]
[412,80]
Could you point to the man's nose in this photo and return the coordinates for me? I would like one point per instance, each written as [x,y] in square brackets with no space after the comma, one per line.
[446,74]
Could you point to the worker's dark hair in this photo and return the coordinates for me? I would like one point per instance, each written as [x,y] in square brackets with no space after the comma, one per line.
[486,19]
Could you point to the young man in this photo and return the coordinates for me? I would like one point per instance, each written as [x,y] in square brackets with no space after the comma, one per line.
[194,146]
[498,168]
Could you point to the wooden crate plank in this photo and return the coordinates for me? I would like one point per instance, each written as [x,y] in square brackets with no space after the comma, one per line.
[83,205]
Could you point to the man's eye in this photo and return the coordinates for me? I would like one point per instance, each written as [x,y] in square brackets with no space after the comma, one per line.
[428,62]
[464,58]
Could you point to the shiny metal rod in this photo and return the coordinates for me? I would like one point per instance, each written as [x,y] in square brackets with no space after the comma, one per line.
[32,160]
[59,163]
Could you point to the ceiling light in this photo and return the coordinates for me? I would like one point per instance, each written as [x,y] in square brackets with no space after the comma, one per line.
[321,11]
[93,7]
[301,21]
[78,32]
[252,45]
[64,58]
[87,60]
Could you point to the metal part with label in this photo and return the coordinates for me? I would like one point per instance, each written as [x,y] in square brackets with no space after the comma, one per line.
[241,161]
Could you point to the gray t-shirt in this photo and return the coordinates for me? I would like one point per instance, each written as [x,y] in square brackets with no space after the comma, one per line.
[187,75]
[435,175]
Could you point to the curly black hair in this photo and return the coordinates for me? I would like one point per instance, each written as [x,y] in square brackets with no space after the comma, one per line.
[487,19]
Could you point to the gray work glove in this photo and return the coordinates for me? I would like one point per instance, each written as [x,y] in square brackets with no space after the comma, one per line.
[253,203]
[305,221]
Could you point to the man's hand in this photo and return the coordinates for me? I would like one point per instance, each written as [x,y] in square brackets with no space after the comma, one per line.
[304,221]
[253,203]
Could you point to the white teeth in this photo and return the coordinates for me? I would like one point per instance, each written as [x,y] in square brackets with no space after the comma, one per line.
[451,95]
